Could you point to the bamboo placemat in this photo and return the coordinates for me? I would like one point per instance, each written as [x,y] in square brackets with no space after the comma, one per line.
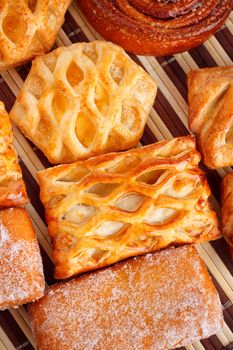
[167,119]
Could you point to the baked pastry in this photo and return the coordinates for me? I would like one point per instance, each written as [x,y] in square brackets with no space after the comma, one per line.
[140,303]
[210,95]
[84,100]
[156,27]
[21,271]
[108,208]
[12,187]
[227,209]
[28,28]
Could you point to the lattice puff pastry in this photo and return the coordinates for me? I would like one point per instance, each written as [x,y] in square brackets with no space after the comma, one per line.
[227,209]
[211,113]
[12,187]
[84,100]
[108,208]
[28,28]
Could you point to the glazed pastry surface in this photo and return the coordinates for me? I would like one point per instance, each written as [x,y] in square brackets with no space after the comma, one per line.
[156,27]
[110,207]
[210,95]
[28,28]
[12,187]
[84,100]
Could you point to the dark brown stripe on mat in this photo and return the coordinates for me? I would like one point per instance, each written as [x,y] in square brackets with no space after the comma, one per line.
[169,116]
[11,328]
[225,38]
[202,57]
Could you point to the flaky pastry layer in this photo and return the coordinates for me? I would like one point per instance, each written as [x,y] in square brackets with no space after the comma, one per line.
[84,100]
[227,209]
[210,94]
[12,187]
[28,28]
[108,208]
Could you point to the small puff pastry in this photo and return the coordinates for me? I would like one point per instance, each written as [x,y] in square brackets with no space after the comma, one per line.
[210,98]
[21,271]
[12,187]
[84,100]
[160,301]
[28,28]
[108,208]
[227,209]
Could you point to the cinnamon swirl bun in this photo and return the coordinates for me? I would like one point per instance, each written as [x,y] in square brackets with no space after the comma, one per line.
[156,27]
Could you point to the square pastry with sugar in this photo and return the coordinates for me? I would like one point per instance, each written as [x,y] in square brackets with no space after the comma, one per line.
[111,207]
[210,95]
[12,187]
[154,302]
[28,28]
[84,100]
[21,270]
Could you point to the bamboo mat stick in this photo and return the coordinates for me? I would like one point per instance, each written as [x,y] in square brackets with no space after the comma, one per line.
[2,346]
[6,341]
[223,339]
[23,325]
[217,52]
[198,346]
[229,25]
[41,230]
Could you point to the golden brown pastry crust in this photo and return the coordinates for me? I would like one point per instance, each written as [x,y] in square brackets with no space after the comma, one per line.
[227,209]
[210,95]
[28,28]
[84,100]
[21,271]
[156,27]
[108,208]
[12,187]
[143,303]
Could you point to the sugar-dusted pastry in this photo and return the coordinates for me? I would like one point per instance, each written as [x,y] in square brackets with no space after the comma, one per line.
[28,28]
[210,94]
[21,271]
[227,209]
[12,187]
[156,27]
[108,208]
[84,100]
[158,301]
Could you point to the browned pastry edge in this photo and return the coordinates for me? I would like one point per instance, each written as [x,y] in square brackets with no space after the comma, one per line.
[121,23]
[227,209]
[210,115]
[12,187]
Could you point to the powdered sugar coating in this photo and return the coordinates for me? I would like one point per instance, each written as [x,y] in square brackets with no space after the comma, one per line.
[159,301]
[21,270]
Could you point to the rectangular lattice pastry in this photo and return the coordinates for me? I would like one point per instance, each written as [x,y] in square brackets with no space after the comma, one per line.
[12,187]
[110,207]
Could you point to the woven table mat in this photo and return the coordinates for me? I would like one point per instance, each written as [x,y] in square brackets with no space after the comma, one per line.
[167,119]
